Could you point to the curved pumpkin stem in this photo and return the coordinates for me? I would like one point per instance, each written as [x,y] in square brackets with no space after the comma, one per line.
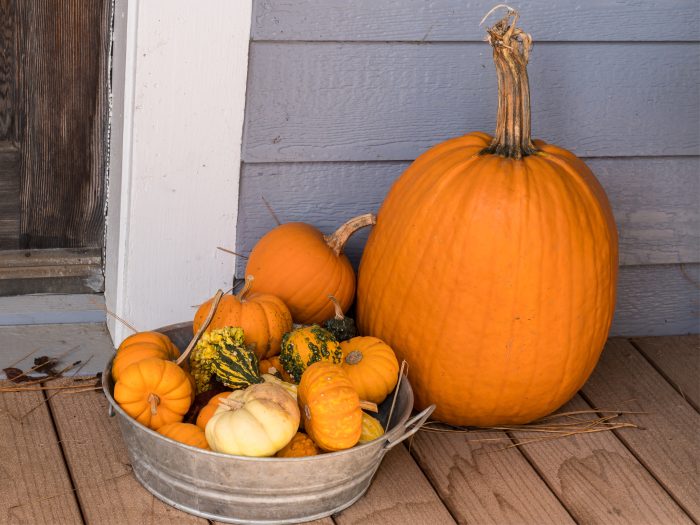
[154,401]
[369,406]
[511,51]
[337,240]
[246,288]
[339,316]
[205,324]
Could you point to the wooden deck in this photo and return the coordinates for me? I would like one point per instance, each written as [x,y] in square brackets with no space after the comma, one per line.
[63,461]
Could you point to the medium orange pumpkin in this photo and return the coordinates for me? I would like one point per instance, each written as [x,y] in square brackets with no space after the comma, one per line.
[143,345]
[330,407]
[371,366]
[186,433]
[300,265]
[154,392]
[161,340]
[263,317]
[493,264]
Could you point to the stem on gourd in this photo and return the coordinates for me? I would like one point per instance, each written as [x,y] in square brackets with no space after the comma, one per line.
[339,316]
[154,401]
[511,49]
[246,288]
[337,240]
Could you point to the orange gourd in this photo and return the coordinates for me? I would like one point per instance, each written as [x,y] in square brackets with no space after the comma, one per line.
[300,265]
[371,366]
[154,392]
[186,433]
[330,407]
[142,345]
[208,410]
[300,446]
[263,317]
[493,264]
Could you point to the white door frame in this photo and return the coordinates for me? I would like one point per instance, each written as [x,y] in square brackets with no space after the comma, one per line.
[178,95]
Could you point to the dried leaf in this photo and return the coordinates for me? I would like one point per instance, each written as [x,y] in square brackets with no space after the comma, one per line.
[45,364]
[16,375]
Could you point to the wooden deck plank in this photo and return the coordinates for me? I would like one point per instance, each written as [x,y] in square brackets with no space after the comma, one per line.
[34,482]
[482,483]
[399,494]
[598,479]
[678,360]
[107,490]
[667,445]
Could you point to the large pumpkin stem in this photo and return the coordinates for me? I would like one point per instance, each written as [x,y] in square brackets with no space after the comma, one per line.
[338,239]
[339,316]
[154,401]
[511,50]
[246,288]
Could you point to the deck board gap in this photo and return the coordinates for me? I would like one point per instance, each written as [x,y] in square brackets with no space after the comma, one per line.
[534,467]
[74,488]
[641,461]
[663,374]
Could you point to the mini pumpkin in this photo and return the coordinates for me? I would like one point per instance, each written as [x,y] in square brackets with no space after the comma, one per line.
[186,433]
[341,326]
[264,318]
[272,365]
[307,345]
[300,265]
[154,392]
[257,421]
[157,338]
[142,345]
[371,366]
[330,407]
[300,446]
[209,410]
[371,429]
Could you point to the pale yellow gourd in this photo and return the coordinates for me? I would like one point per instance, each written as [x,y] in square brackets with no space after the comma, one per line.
[257,421]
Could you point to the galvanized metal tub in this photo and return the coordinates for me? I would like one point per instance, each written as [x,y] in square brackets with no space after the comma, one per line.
[238,489]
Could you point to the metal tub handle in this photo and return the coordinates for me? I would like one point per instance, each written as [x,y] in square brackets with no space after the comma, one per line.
[411,427]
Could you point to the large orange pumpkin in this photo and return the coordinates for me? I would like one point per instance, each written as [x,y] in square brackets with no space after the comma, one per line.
[492,266]
[263,317]
[300,265]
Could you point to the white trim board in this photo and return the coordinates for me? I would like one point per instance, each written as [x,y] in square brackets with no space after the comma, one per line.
[178,80]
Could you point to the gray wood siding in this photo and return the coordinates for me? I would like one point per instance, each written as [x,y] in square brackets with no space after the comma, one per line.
[342,97]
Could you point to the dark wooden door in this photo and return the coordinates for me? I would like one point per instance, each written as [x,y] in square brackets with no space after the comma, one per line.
[53,136]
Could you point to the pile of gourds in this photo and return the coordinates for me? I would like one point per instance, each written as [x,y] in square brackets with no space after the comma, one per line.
[288,390]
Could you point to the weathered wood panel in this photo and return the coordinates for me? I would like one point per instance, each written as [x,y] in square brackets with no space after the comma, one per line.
[75,342]
[105,484]
[399,494]
[658,220]
[458,20]
[62,87]
[678,360]
[8,72]
[9,196]
[392,101]
[669,439]
[52,309]
[482,483]
[35,486]
[597,478]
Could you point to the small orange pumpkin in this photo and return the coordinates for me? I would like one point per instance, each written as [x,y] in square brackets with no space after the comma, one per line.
[330,407]
[154,392]
[208,410]
[186,433]
[142,345]
[264,318]
[272,365]
[300,265]
[371,366]
[300,446]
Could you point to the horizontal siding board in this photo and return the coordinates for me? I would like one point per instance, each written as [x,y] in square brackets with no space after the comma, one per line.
[655,201]
[392,101]
[458,20]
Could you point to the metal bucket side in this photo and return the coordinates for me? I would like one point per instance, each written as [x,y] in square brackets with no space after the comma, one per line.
[238,489]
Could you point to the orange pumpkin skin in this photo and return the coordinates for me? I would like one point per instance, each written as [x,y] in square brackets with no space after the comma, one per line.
[274,362]
[264,319]
[154,392]
[209,410]
[161,340]
[371,366]
[134,353]
[494,278]
[330,407]
[300,446]
[186,433]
